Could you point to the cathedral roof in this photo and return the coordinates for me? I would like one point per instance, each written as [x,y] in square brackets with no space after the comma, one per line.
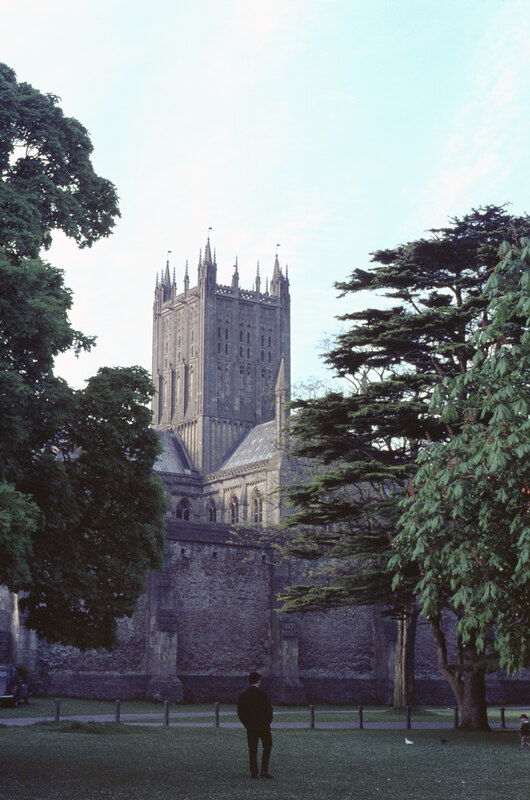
[173,458]
[259,444]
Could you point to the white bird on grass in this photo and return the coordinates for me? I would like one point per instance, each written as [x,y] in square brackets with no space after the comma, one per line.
[407,741]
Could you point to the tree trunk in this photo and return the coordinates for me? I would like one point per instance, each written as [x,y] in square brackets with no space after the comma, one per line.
[404,694]
[473,708]
[468,685]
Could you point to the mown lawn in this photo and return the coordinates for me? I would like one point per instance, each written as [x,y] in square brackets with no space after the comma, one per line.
[93,761]
[45,707]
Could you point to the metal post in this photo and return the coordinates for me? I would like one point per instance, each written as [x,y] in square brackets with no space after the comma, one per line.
[216,714]
[312,717]
[57,710]
[503,721]
[166,713]
[455,723]
[360,718]
[407,717]
[117,711]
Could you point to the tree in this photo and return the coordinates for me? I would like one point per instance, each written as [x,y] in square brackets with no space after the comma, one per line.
[102,508]
[367,440]
[47,181]
[81,514]
[466,523]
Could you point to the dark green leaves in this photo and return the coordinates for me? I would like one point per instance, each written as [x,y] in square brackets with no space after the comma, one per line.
[81,513]
[47,181]
[471,504]
[102,525]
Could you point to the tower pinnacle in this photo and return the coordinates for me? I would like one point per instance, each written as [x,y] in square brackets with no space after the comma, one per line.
[207,253]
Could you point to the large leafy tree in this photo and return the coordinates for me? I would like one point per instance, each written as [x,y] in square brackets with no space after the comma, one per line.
[47,180]
[364,442]
[466,523]
[101,510]
[81,515]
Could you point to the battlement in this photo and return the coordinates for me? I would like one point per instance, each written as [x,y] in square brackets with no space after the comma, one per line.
[246,294]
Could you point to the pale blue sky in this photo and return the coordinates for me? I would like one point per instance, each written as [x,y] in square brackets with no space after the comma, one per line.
[334,127]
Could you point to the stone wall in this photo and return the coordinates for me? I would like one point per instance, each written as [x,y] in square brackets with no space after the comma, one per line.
[128,658]
[210,616]
[8,627]
[223,601]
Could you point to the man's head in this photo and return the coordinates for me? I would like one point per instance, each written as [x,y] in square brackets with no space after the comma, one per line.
[523,717]
[254,678]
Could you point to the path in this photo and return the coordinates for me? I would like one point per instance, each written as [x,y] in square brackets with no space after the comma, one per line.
[205,719]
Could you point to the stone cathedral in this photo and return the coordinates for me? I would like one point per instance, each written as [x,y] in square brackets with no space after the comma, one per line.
[221,369]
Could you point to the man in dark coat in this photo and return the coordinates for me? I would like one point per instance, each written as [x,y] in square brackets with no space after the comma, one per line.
[255,712]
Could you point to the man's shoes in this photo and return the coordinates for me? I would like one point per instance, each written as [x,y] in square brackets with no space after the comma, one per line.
[265,775]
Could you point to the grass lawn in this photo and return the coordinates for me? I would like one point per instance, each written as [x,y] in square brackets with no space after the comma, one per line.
[93,761]
[45,707]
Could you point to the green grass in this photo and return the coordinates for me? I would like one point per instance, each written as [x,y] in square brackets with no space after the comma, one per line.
[45,707]
[95,761]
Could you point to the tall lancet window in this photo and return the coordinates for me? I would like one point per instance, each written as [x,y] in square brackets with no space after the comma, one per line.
[233,510]
[257,508]
[211,511]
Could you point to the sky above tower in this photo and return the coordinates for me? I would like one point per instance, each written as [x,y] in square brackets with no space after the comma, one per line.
[331,128]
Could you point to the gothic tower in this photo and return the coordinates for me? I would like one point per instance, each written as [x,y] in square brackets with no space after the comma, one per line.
[217,352]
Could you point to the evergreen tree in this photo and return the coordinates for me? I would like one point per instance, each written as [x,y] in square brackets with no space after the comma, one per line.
[364,443]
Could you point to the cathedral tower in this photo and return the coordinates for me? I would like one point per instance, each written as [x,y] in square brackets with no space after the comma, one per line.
[217,352]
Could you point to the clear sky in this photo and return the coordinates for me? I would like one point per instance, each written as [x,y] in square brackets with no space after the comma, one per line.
[332,127]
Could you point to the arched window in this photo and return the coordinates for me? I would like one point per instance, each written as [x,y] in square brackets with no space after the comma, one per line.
[257,508]
[184,509]
[233,510]
[211,512]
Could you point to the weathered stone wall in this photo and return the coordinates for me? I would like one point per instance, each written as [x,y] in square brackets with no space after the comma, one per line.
[223,604]
[68,672]
[102,685]
[128,658]
[8,625]
[210,617]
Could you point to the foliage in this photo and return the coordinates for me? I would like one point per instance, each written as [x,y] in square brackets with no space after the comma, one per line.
[47,181]
[363,444]
[18,522]
[81,514]
[466,524]
[80,511]
[102,511]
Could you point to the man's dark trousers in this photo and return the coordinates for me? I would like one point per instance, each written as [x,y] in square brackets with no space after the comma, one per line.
[253,737]
[254,710]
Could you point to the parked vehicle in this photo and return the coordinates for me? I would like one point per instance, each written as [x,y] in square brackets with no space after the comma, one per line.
[14,687]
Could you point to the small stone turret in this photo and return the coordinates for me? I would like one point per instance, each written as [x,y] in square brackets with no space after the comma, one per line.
[282,396]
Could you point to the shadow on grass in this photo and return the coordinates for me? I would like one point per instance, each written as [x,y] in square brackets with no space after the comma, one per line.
[93,728]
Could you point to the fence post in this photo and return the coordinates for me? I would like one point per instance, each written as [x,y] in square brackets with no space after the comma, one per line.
[311,716]
[360,718]
[503,721]
[57,710]
[455,722]
[216,714]
[166,713]
[407,718]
